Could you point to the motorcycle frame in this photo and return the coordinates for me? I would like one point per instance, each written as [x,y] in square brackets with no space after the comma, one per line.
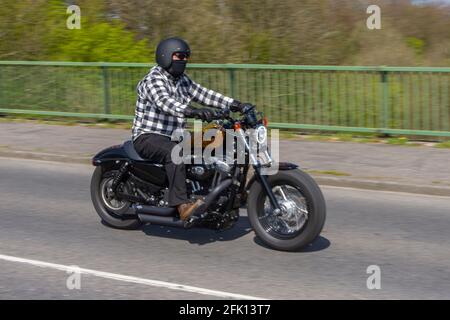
[118,154]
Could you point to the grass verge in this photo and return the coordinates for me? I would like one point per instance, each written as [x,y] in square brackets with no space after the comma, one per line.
[330,172]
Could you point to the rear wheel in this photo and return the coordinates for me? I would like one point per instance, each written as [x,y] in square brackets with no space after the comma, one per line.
[302,214]
[112,211]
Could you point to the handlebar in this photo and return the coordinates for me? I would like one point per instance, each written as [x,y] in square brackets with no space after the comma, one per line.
[222,114]
[249,115]
[225,113]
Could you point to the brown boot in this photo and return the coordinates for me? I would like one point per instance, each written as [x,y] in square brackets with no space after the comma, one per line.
[186,209]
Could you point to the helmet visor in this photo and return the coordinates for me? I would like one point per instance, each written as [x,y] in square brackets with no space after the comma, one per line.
[182,55]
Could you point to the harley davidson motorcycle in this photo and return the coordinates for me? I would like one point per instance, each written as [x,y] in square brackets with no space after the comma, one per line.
[286,210]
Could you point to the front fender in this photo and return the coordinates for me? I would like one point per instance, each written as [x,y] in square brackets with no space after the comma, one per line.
[283,166]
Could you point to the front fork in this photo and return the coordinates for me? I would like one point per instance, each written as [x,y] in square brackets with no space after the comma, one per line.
[268,190]
[262,178]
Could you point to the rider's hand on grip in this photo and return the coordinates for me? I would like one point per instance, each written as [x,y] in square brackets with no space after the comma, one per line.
[238,106]
[208,114]
[203,114]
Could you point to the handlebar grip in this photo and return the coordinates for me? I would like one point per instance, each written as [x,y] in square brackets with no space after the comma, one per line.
[222,114]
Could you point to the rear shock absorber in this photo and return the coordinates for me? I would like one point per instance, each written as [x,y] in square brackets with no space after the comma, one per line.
[116,181]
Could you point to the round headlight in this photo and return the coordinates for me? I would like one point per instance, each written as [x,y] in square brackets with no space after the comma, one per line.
[261,134]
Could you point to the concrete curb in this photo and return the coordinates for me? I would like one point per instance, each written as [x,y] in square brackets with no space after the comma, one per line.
[320,179]
[383,185]
[44,156]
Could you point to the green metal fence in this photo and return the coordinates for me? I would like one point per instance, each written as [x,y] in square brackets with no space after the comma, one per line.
[397,100]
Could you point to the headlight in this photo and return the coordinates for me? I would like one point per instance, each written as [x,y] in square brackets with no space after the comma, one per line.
[261,134]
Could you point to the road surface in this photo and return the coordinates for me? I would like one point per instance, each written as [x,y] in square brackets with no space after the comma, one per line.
[48,224]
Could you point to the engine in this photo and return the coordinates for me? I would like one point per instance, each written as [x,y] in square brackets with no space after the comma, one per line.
[199,178]
[204,177]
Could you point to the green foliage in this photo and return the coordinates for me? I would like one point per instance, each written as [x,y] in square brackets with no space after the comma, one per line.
[417,44]
[103,41]
[259,47]
[38,31]
[227,31]
[330,172]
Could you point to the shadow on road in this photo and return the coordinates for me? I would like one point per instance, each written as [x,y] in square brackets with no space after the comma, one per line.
[204,236]
[319,244]
[198,235]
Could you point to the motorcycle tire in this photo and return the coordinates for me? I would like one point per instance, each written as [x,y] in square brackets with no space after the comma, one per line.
[316,209]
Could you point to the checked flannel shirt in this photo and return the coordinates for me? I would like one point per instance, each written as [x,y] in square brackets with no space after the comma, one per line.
[162,99]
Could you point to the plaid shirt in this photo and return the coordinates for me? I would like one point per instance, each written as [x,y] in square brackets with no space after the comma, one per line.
[162,100]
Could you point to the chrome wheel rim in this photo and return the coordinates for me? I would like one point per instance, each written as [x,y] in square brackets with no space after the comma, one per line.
[294,212]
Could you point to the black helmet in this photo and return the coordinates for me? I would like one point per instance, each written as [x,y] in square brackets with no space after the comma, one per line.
[167,48]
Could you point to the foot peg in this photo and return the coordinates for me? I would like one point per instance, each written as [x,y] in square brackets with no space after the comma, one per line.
[191,222]
[196,217]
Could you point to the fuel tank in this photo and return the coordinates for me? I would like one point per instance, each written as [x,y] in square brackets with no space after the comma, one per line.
[214,142]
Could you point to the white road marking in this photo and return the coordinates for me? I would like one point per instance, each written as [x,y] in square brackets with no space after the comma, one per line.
[120,277]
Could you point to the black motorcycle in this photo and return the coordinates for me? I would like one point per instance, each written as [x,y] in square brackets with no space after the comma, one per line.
[286,210]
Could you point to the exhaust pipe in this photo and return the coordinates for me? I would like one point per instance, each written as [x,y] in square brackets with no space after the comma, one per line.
[216,191]
[158,215]
[157,211]
[165,221]
[211,197]
[166,215]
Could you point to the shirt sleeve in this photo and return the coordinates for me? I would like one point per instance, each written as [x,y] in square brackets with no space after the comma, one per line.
[159,93]
[209,97]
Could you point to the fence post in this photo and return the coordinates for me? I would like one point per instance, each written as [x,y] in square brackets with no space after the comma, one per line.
[106,93]
[232,82]
[384,99]
[1,90]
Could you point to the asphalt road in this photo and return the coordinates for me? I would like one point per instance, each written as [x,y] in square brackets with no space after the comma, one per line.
[46,215]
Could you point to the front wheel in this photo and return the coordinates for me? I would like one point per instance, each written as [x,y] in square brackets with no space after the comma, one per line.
[303,210]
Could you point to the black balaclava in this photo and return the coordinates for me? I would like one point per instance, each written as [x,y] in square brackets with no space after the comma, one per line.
[177,68]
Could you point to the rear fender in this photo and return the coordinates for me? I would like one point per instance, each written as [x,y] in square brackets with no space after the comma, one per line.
[113,153]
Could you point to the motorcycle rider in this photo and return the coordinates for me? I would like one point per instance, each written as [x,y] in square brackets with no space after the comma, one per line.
[163,98]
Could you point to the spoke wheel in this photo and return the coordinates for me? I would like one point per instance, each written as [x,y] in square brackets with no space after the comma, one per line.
[302,210]
[293,216]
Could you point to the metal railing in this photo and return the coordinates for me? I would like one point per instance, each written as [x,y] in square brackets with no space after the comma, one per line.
[393,100]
